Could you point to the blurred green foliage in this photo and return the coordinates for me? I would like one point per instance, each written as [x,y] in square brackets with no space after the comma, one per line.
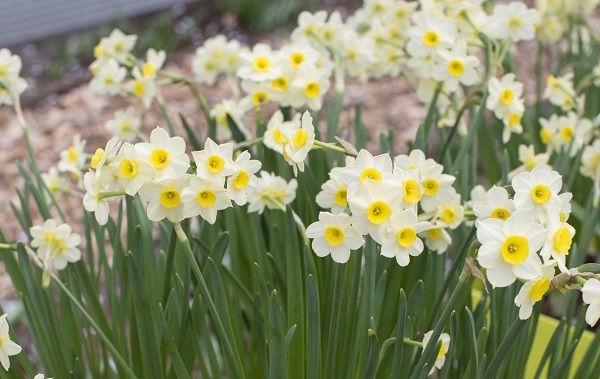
[267,15]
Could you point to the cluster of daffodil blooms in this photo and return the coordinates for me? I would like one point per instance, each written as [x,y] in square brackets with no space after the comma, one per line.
[404,204]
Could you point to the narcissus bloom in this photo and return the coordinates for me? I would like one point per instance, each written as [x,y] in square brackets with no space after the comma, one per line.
[259,64]
[514,21]
[72,160]
[335,235]
[272,192]
[559,238]
[437,239]
[334,193]
[214,162]
[496,205]
[536,190]
[411,185]
[132,169]
[166,154]
[125,125]
[273,139]
[591,296]
[56,245]
[142,87]
[244,180]
[402,241]
[366,166]
[92,200]
[441,357]
[299,142]
[204,197]
[154,62]
[164,198]
[107,80]
[509,248]
[7,347]
[437,186]
[456,67]
[505,96]
[534,290]
[373,207]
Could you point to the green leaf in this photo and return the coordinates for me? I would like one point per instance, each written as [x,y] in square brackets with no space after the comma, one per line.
[146,328]
[236,133]
[313,329]
[176,360]
[503,350]
[399,345]
[277,347]
[372,356]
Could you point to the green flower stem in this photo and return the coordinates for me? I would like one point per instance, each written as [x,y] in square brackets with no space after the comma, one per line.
[332,147]
[233,84]
[115,353]
[392,341]
[463,281]
[8,246]
[248,143]
[584,82]
[220,328]
[104,195]
[408,341]
[174,77]
[169,267]
[201,101]
[163,109]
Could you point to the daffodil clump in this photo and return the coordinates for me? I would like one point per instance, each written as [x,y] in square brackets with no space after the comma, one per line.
[286,247]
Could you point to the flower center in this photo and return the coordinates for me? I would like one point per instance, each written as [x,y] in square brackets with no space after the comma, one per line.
[169,198]
[340,198]
[567,133]
[515,250]
[371,173]
[206,198]
[514,120]
[562,240]
[72,155]
[96,158]
[215,164]
[127,168]
[379,212]
[159,158]
[300,138]
[278,136]
[431,187]
[412,192]
[546,136]
[312,90]
[334,236]
[280,83]
[456,68]
[539,289]
[507,96]
[434,233]
[406,237]
[241,181]
[431,38]
[261,64]
[500,213]
[541,194]
[55,244]
[296,59]
[139,88]
[442,351]
[148,69]
[449,215]
[259,98]
[514,22]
